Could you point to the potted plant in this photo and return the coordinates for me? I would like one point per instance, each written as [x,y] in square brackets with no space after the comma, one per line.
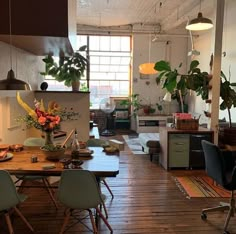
[228,96]
[179,84]
[139,104]
[69,70]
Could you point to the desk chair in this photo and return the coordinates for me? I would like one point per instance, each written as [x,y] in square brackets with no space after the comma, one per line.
[78,190]
[36,142]
[220,167]
[99,143]
[9,199]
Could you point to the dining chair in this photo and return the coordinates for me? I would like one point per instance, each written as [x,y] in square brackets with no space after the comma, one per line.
[78,190]
[10,199]
[220,166]
[24,178]
[100,143]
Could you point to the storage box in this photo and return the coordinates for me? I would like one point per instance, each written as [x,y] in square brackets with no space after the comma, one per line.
[187,124]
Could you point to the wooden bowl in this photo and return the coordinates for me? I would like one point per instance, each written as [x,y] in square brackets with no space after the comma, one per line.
[4,147]
[53,155]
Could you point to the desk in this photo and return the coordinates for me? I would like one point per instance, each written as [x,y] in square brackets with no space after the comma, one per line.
[100,164]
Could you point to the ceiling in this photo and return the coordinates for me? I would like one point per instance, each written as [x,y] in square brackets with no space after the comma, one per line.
[157,16]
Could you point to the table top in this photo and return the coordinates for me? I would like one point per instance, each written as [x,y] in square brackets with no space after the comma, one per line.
[99,163]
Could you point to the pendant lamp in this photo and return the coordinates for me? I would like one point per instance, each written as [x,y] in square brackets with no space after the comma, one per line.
[199,23]
[11,83]
[148,68]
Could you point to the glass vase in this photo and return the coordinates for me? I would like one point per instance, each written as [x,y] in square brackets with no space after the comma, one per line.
[48,138]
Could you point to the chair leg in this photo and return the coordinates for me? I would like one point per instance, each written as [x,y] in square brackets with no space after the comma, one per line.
[231,211]
[108,188]
[92,221]
[104,220]
[49,190]
[24,219]
[105,209]
[66,220]
[9,224]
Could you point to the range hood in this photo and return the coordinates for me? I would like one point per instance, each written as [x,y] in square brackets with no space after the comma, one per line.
[40,27]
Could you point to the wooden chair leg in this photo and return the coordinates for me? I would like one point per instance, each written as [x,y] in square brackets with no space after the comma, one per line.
[66,220]
[9,224]
[105,209]
[24,219]
[49,190]
[108,188]
[104,220]
[92,221]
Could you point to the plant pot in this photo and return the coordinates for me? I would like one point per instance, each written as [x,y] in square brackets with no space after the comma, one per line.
[53,155]
[229,136]
[75,85]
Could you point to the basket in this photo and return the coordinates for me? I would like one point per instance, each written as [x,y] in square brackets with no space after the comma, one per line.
[186,124]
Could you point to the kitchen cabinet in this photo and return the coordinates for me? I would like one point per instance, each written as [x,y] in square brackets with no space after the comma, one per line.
[182,148]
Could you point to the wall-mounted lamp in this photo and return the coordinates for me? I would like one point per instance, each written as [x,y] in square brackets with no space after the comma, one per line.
[11,83]
[199,23]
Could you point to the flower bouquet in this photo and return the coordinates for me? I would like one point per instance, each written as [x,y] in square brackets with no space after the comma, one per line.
[47,120]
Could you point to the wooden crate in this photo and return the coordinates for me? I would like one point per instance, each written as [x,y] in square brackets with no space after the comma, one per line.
[186,124]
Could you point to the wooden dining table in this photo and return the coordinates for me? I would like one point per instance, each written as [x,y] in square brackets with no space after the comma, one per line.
[100,163]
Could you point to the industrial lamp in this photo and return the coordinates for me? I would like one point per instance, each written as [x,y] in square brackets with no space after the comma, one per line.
[199,23]
[11,83]
[148,68]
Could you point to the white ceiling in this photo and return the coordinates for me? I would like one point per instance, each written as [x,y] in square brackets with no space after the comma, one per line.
[169,14]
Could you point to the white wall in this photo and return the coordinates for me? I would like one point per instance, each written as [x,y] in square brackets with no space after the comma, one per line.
[26,67]
[172,49]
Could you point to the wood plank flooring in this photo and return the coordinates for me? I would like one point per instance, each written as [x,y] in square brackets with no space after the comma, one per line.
[146,200]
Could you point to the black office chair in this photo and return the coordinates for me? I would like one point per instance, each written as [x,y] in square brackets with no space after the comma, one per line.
[220,166]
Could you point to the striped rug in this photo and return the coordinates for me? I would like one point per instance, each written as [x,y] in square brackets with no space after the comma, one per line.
[200,186]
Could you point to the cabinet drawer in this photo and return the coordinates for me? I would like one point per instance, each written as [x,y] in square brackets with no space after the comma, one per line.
[179,159]
[178,142]
[179,150]
[196,139]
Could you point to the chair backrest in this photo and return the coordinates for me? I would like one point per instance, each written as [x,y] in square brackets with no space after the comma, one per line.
[96,142]
[215,164]
[78,189]
[34,141]
[8,194]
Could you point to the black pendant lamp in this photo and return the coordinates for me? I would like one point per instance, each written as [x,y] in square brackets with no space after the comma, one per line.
[199,23]
[11,83]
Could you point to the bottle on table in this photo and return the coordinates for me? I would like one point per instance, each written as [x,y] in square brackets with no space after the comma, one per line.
[75,146]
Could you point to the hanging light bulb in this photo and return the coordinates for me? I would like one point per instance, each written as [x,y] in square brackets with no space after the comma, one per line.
[199,23]
[11,83]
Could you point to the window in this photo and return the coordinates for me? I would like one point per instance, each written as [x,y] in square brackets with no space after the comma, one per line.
[109,71]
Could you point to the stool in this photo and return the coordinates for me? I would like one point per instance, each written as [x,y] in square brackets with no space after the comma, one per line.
[150,143]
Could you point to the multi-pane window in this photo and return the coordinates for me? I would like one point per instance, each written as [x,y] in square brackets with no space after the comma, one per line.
[109,71]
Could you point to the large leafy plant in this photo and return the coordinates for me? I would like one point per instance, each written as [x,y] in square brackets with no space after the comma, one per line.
[69,68]
[178,84]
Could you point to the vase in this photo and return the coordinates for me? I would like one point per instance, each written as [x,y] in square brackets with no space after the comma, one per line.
[48,138]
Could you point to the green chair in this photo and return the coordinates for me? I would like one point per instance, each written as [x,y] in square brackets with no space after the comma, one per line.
[36,142]
[99,143]
[9,199]
[79,190]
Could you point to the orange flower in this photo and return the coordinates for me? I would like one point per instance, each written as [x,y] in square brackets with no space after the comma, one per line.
[42,120]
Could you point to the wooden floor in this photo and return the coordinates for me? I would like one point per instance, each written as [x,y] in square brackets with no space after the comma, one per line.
[146,200]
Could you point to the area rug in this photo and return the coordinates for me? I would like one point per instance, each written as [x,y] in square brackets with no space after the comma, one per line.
[133,143]
[200,186]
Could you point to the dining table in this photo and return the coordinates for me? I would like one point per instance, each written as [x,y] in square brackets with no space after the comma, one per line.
[23,163]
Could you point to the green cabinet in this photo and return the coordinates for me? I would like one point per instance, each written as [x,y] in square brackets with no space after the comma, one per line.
[178,150]
[182,148]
